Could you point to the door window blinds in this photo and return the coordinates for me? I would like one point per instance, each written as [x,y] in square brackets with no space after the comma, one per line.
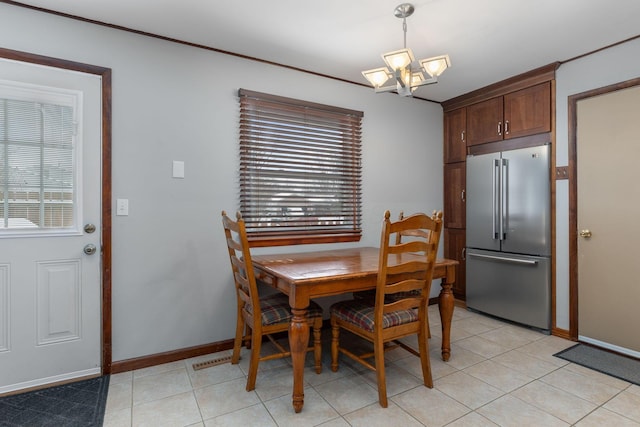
[37,158]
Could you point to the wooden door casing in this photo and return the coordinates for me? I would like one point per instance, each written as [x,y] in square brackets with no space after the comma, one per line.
[105,135]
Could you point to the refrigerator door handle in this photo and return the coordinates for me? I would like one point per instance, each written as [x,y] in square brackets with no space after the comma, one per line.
[495,190]
[500,258]
[504,200]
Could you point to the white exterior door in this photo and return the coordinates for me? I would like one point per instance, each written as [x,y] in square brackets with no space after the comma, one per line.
[50,289]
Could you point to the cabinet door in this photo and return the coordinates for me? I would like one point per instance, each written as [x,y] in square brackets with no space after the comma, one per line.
[528,111]
[454,244]
[455,142]
[484,121]
[454,195]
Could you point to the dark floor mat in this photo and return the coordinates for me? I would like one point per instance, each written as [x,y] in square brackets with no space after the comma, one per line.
[616,365]
[78,404]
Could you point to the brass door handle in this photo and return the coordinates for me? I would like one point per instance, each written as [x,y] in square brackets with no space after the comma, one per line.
[585,233]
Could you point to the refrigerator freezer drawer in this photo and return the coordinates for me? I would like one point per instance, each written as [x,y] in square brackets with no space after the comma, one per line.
[513,287]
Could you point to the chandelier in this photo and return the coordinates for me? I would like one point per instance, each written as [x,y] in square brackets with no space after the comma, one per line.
[400,65]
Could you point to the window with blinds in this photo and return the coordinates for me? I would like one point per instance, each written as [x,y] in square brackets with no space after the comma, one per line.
[37,158]
[300,170]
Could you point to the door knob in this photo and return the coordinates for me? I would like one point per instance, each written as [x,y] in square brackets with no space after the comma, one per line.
[90,249]
[585,233]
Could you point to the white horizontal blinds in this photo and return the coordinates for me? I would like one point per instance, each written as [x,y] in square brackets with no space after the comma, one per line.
[300,166]
[36,164]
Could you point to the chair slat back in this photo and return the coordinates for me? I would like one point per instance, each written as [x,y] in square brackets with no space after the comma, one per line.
[241,264]
[405,268]
[410,233]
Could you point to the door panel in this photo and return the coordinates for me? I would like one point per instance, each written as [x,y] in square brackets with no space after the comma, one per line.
[608,269]
[50,290]
[513,287]
[455,129]
[454,195]
[58,301]
[481,202]
[484,121]
[528,111]
[527,205]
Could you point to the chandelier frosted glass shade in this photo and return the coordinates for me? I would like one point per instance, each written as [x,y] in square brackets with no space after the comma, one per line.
[398,59]
[436,65]
[377,77]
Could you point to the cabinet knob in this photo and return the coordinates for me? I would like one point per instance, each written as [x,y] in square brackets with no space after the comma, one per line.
[499,128]
[506,127]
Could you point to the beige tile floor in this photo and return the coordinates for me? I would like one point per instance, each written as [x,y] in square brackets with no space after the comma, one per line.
[498,375]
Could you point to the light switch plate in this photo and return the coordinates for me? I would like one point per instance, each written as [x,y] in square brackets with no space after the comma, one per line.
[178,169]
[122,207]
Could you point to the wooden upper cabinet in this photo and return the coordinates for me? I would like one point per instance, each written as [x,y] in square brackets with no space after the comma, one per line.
[484,121]
[520,113]
[454,195]
[455,136]
[528,111]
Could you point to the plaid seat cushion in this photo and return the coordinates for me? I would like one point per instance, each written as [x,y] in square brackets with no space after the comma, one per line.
[276,309]
[360,313]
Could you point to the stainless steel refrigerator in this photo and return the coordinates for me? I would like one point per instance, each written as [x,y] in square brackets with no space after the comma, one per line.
[508,235]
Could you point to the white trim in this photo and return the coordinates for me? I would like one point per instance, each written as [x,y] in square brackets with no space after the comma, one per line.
[616,348]
[50,380]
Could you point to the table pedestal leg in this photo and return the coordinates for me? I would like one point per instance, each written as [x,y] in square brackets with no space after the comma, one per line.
[445,304]
[298,342]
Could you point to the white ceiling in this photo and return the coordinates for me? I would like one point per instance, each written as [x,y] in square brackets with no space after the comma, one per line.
[487,40]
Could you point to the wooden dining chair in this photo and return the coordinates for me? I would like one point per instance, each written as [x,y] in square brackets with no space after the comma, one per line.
[370,294]
[260,316]
[397,310]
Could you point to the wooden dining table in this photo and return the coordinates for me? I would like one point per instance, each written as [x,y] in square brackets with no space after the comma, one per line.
[306,275]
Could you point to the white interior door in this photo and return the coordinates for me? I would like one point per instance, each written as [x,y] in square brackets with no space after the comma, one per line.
[50,289]
[608,212]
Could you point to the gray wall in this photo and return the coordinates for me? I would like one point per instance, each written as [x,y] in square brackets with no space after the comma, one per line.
[590,72]
[172,285]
